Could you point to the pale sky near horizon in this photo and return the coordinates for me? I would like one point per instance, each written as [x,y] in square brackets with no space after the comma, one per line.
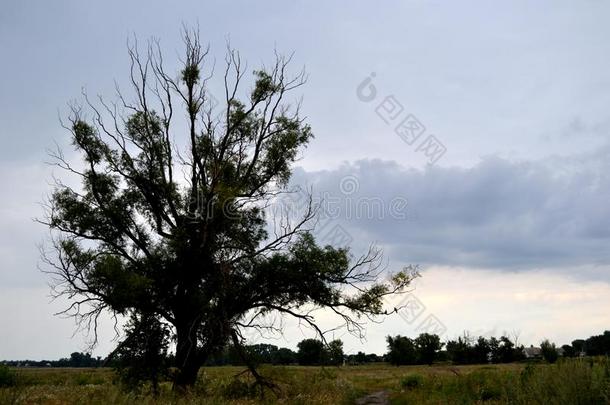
[511,225]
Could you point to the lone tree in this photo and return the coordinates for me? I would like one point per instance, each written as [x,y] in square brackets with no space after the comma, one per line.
[170,220]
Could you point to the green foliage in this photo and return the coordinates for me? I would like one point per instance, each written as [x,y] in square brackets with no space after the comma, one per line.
[284,356]
[579,345]
[481,351]
[460,351]
[466,351]
[401,350]
[142,356]
[598,345]
[8,378]
[549,351]
[505,350]
[261,353]
[238,388]
[263,87]
[78,359]
[315,352]
[360,358]
[334,353]
[411,381]
[566,382]
[310,352]
[575,381]
[85,379]
[568,351]
[428,345]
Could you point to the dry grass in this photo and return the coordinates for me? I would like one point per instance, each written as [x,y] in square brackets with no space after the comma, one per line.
[569,382]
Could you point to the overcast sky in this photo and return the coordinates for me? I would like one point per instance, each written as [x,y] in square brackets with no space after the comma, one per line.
[509,219]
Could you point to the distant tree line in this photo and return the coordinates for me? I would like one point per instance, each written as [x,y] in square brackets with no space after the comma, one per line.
[596,345]
[402,350]
[363,358]
[310,352]
[428,348]
[76,359]
[258,353]
[466,350]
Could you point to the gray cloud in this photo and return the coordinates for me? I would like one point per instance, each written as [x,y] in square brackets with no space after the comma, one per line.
[498,214]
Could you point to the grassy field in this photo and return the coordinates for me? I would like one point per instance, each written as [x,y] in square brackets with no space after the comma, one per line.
[580,381]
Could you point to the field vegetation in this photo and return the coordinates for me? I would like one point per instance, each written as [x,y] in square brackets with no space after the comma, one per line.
[568,381]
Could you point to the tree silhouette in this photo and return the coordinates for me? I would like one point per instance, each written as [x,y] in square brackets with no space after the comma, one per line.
[428,345]
[549,351]
[334,353]
[401,350]
[143,356]
[315,352]
[170,221]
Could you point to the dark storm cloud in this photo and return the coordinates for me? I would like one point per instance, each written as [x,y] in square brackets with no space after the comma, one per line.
[498,214]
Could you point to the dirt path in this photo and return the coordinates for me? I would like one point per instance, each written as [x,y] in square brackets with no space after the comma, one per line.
[376,398]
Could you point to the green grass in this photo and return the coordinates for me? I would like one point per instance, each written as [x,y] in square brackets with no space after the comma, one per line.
[577,381]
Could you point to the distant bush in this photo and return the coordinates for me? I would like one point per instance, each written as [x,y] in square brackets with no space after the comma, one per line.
[238,389]
[8,378]
[411,381]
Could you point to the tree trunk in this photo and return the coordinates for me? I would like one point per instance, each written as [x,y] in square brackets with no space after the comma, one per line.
[188,360]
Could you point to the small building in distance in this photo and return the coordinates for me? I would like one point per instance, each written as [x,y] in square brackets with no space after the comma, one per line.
[532,352]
